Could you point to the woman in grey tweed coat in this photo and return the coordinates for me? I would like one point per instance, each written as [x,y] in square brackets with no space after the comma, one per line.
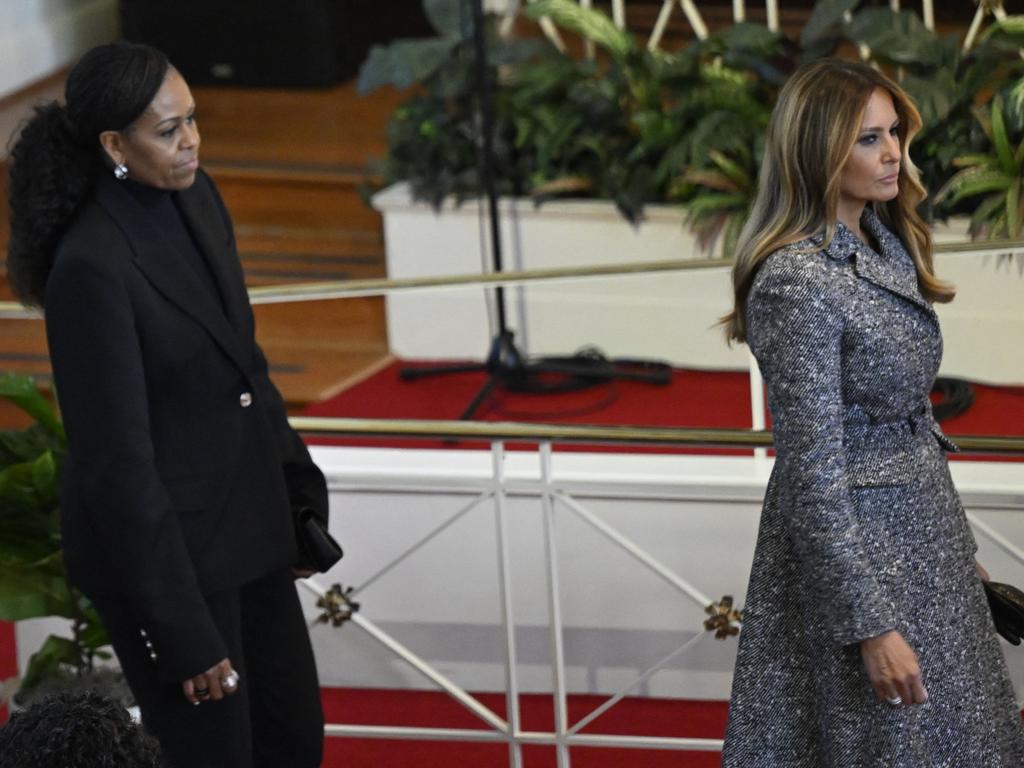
[867,640]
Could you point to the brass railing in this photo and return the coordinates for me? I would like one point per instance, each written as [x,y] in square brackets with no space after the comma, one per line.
[678,437]
[341,289]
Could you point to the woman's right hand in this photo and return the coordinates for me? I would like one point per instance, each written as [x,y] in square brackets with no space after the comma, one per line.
[218,681]
[893,669]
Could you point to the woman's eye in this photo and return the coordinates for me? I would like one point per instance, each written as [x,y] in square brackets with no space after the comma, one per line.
[867,140]
[169,132]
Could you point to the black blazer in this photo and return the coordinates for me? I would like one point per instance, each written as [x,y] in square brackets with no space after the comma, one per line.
[182,471]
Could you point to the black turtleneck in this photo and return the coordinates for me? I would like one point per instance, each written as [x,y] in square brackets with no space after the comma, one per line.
[161,206]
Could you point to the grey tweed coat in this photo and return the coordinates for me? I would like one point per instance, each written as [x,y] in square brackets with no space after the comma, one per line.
[862,531]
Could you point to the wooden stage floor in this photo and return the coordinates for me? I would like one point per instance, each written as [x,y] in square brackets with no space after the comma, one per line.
[289,164]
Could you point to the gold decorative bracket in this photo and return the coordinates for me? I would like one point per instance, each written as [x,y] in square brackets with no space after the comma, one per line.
[724,621]
[337,606]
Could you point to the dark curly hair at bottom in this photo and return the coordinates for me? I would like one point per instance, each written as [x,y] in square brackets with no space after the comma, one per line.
[77,731]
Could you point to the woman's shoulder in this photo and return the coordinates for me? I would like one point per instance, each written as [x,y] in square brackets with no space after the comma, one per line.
[802,263]
[93,233]
[93,244]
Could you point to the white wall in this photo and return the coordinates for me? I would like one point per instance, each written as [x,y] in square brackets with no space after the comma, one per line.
[39,37]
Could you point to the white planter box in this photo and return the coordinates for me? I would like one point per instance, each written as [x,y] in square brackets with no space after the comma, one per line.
[669,316]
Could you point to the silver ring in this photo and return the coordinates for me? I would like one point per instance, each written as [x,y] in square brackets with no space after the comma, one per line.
[895,701]
[230,680]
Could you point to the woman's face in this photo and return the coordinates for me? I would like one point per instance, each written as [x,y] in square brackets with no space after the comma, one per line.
[161,148]
[871,173]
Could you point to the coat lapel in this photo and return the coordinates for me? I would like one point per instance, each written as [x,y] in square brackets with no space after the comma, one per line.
[205,221]
[164,268]
[892,270]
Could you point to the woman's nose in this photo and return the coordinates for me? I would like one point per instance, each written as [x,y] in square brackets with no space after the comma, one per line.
[190,135]
[891,149]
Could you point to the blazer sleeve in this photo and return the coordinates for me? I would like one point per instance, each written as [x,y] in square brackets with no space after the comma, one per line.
[102,388]
[795,330]
[307,487]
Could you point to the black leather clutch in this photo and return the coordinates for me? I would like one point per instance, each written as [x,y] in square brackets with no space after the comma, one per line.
[1007,604]
[317,548]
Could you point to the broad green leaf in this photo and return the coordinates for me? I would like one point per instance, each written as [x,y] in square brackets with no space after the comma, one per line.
[826,15]
[999,138]
[404,63]
[973,181]
[447,17]
[731,169]
[22,391]
[44,478]
[984,161]
[711,179]
[982,215]
[1013,104]
[1013,209]
[26,444]
[28,539]
[934,96]
[1011,26]
[92,634]
[753,37]
[17,488]
[27,593]
[54,652]
[714,202]
[586,22]
[998,227]
[897,36]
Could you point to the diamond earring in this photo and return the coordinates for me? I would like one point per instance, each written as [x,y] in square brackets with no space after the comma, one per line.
[120,171]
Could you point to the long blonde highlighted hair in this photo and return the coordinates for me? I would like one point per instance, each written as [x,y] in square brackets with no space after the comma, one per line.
[813,128]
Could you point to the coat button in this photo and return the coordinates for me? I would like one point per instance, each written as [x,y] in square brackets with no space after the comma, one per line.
[245,399]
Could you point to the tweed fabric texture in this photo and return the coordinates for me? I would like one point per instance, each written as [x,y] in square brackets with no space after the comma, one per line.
[862,530]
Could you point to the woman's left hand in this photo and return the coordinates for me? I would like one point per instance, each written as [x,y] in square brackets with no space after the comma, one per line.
[981,571]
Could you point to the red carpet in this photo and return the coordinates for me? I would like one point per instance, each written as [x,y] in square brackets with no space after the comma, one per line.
[694,398]
[632,716]
[8,658]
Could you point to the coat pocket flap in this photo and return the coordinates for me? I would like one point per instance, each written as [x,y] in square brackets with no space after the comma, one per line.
[878,468]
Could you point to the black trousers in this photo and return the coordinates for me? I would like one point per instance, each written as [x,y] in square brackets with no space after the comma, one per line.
[274,720]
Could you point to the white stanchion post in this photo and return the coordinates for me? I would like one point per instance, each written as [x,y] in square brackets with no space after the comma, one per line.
[505,599]
[559,692]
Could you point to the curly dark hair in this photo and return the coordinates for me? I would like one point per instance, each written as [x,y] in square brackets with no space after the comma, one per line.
[77,730]
[53,164]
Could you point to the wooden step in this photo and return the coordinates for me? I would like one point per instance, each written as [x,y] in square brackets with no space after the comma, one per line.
[277,198]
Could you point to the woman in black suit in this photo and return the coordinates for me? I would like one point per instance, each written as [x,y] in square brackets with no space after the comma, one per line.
[183,476]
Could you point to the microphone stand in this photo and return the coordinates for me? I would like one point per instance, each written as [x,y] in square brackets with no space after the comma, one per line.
[506,365]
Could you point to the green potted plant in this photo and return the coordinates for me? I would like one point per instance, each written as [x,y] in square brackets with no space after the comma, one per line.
[992,180]
[639,127]
[33,581]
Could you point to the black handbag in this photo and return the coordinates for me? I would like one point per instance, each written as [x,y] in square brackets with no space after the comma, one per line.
[317,548]
[1007,604]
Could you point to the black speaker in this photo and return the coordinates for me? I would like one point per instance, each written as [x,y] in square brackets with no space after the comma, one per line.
[242,42]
